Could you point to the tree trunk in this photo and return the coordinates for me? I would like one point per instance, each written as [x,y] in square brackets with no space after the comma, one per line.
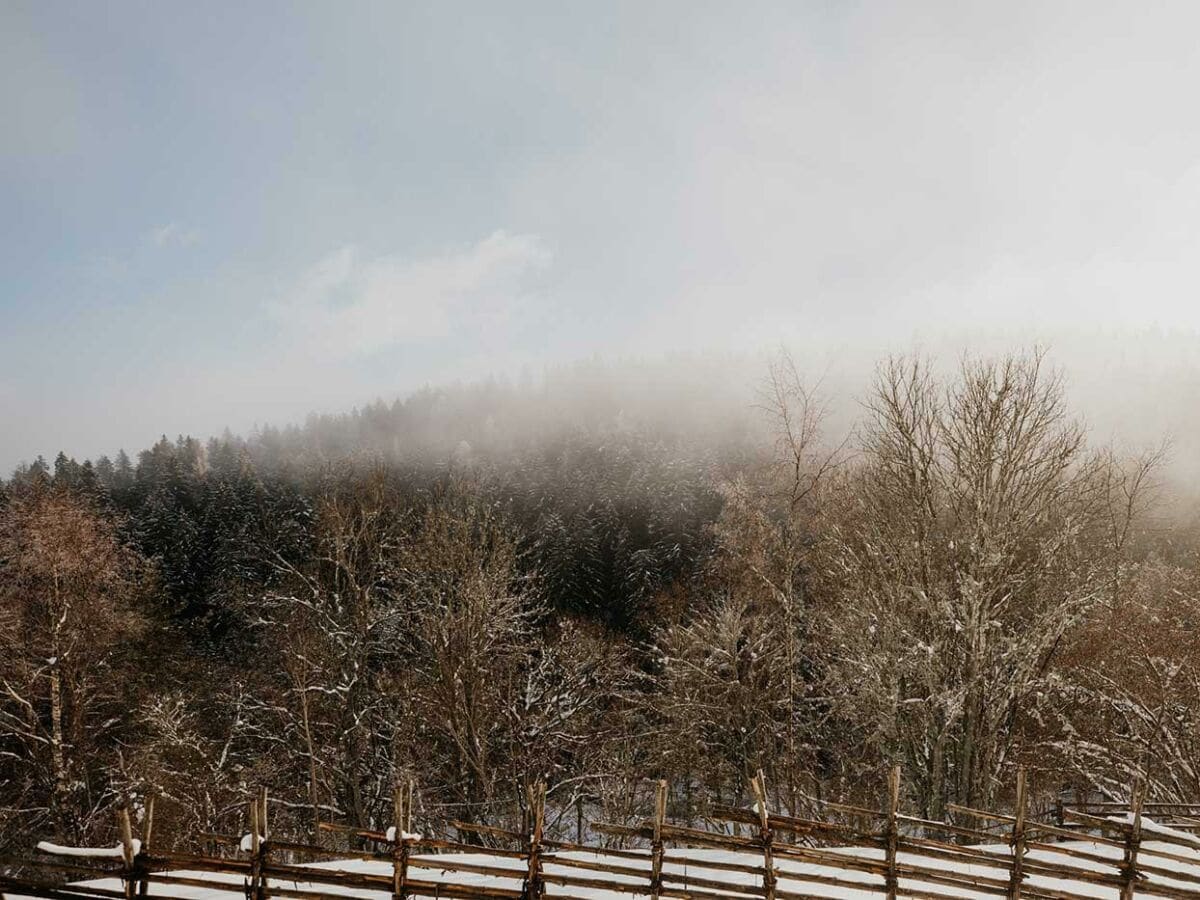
[58,753]
[313,794]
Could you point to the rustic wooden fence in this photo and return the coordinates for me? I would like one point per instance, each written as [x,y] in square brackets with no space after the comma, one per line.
[868,853]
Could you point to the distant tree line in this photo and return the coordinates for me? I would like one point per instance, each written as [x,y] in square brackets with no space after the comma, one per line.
[437,589]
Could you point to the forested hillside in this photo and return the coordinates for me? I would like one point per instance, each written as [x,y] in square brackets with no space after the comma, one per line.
[463,588]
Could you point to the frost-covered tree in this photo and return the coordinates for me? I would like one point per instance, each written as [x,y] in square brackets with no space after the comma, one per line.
[71,619]
[472,621]
[974,535]
[735,675]
[197,753]
[1125,702]
[323,705]
[722,697]
[497,696]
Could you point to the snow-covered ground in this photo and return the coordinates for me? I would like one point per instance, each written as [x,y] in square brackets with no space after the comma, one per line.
[689,869]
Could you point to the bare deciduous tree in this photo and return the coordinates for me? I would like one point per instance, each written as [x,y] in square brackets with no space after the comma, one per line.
[1125,701]
[975,534]
[765,539]
[329,634]
[471,621]
[71,616]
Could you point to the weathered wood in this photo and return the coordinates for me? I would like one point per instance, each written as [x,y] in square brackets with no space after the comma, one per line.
[1038,827]
[806,827]
[400,846]
[127,853]
[416,888]
[368,834]
[489,830]
[893,808]
[536,794]
[254,883]
[563,846]
[143,888]
[254,832]
[386,857]
[1133,838]
[33,888]
[167,858]
[760,864]
[759,787]
[126,831]
[1017,839]
[262,813]
[656,839]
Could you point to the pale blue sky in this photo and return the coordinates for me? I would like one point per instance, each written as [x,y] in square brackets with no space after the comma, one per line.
[223,213]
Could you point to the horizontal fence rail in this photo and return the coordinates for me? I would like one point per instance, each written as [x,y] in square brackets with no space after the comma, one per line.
[1100,850]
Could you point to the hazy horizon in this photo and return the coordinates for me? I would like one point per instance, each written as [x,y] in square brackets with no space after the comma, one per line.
[1132,391]
[222,216]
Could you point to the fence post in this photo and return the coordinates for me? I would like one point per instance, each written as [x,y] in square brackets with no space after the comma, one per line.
[147,835]
[401,810]
[264,848]
[262,813]
[253,883]
[893,833]
[127,854]
[656,842]
[1017,840]
[537,810]
[759,785]
[1133,840]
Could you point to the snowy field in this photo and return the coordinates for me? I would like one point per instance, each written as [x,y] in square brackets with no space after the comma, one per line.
[1172,870]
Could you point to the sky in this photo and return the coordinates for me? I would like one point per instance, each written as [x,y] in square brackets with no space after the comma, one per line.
[221,214]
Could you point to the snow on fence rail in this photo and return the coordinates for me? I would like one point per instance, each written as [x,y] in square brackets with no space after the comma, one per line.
[781,857]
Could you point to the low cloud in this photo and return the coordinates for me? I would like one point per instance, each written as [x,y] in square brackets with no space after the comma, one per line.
[348,305]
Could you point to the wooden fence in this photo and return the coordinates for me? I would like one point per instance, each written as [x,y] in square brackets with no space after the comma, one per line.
[867,853]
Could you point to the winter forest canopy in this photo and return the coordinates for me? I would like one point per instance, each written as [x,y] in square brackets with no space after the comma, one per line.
[958,581]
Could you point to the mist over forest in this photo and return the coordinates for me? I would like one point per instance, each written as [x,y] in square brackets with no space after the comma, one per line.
[559,451]
[1135,387]
[694,568]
